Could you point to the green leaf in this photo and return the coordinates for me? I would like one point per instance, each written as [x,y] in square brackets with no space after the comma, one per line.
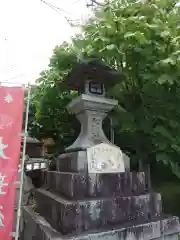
[165,34]
[176,148]
[111,47]
[175,168]
[162,157]
[129,35]
[164,78]
[140,37]
[163,131]
[168,61]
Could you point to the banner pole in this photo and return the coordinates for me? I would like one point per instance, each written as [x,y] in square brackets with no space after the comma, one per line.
[22,165]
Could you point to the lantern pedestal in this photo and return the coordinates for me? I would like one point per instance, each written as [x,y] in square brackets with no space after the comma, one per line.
[90,111]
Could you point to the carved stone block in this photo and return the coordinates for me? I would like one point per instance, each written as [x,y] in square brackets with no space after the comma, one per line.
[80,186]
[37,228]
[79,216]
[77,162]
[105,158]
[90,111]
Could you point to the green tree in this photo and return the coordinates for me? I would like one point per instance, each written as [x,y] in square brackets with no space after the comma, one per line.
[50,100]
[141,39]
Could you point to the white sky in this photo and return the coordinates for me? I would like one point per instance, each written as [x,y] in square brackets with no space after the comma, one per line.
[29,30]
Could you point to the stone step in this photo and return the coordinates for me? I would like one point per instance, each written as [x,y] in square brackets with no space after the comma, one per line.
[79,216]
[80,186]
[37,228]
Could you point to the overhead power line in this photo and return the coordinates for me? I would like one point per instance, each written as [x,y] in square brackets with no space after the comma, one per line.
[56,7]
[61,12]
[20,75]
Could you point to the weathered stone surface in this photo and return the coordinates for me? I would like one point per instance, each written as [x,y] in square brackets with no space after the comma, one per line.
[72,162]
[169,226]
[90,111]
[105,158]
[80,186]
[79,216]
[37,228]
[169,237]
[77,162]
[27,190]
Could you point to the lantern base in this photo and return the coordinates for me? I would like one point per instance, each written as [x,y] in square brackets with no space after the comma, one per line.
[37,228]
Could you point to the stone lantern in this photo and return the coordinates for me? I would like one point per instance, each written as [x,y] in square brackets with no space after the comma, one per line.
[34,155]
[91,79]
[92,195]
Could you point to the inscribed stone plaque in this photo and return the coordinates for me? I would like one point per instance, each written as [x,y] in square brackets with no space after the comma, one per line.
[104,158]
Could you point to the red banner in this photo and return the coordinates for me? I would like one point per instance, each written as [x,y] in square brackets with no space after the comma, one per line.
[11,110]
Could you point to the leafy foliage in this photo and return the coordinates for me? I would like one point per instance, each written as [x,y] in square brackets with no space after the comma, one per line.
[141,39]
[52,119]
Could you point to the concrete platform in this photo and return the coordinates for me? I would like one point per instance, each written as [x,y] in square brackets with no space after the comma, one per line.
[37,228]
